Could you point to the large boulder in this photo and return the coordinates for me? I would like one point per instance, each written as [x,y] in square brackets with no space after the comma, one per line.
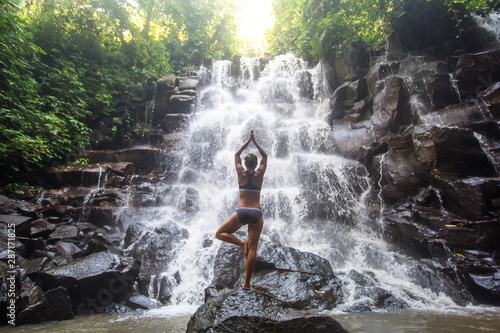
[154,248]
[451,152]
[391,107]
[55,304]
[476,72]
[303,280]
[243,310]
[404,171]
[93,282]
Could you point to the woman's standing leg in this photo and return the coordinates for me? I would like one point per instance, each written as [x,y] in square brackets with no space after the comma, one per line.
[254,231]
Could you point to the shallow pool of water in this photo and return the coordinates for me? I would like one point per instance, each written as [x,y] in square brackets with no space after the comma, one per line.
[174,320]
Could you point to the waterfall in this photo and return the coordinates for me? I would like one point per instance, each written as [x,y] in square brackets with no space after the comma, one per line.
[312,199]
[490,23]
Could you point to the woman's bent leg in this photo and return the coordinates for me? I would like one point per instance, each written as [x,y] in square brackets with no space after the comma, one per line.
[227,229]
[254,231]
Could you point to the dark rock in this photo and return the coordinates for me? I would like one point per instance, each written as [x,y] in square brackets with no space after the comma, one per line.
[133,234]
[35,265]
[21,224]
[77,176]
[356,91]
[306,89]
[228,266]
[67,249]
[93,282]
[189,202]
[162,289]
[337,102]
[440,91]
[246,324]
[64,232]
[391,108]
[155,249]
[142,302]
[175,122]
[486,287]
[30,294]
[101,216]
[404,171]
[480,235]
[464,198]
[451,152]
[476,72]
[275,256]
[388,69]
[41,228]
[303,291]
[97,241]
[239,305]
[465,115]
[115,308]
[491,97]
[55,304]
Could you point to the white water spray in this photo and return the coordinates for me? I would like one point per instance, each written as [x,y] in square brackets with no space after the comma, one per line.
[312,199]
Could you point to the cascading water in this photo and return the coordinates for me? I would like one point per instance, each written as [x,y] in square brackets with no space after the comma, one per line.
[312,199]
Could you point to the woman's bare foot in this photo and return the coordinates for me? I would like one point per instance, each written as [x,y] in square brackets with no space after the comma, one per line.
[247,287]
[244,246]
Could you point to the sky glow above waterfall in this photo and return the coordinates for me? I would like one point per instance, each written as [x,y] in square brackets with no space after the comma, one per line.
[254,18]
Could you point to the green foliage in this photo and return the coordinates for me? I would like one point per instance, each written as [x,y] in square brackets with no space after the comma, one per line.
[313,28]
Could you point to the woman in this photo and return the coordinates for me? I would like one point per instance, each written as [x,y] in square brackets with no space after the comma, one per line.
[248,210]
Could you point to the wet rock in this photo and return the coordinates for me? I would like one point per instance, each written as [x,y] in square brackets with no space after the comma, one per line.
[133,234]
[303,291]
[142,302]
[34,265]
[486,287]
[404,171]
[480,235]
[55,304]
[65,232]
[228,266]
[189,202]
[253,311]
[275,256]
[440,91]
[67,249]
[76,176]
[464,198]
[367,287]
[21,224]
[115,308]
[41,228]
[477,71]
[465,115]
[93,282]
[391,108]
[162,289]
[306,89]
[451,152]
[101,216]
[491,97]
[317,324]
[30,294]
[337,102]
[97,241]
[155,248]
[174,122]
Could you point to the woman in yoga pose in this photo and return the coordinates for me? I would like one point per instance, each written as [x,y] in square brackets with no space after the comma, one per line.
[248,210]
